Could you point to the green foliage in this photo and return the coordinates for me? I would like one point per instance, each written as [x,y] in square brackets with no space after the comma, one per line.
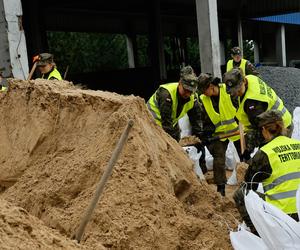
[248,50]
[193,52]
[88,52]
[142,59]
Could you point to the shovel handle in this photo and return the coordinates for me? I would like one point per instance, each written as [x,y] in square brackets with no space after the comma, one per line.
[242,137]
[32,71]
[100,187]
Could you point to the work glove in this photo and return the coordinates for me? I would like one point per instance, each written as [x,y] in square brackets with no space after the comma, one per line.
[246,155]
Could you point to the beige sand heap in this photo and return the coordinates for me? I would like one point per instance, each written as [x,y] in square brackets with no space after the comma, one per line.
[19,230]
[55,143]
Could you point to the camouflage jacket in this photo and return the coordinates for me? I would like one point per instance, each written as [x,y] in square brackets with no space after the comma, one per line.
[259,169]
[165,106]
[249,68]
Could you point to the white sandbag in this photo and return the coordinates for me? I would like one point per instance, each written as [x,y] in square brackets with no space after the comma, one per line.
[296,121]
[194,156]
[277,229]
[185,126]
[232,157]
[232,180]
[245,240]
[208,159]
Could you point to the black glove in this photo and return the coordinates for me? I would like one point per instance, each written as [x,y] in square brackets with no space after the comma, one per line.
[246,155]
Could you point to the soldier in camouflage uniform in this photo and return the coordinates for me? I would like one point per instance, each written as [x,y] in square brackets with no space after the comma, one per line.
[272,166]
[238,61]
[253,98]
[172,101]
[217,117]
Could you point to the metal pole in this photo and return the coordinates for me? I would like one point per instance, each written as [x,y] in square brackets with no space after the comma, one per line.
[104,178]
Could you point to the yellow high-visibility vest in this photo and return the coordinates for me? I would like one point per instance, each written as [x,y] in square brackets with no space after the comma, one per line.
[242,65]
[3,88]
[224,120]
[152,104]
[55,73]
[258,90]
[281,187]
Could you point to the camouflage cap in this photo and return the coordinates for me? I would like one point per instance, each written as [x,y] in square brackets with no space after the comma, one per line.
[44,59]
[236,51]
[233,80]
[269,116]
[188,78]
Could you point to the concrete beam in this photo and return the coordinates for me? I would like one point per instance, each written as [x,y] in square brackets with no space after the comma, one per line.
[13,51]
[256,52]
[281,46]
[156,41]
[208,33]
[130,51]
[240,34]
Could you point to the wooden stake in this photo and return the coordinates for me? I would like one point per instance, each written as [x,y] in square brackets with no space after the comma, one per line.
[100,187]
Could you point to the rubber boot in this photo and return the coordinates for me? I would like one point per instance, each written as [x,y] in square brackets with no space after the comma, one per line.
[221,189]
[203,166]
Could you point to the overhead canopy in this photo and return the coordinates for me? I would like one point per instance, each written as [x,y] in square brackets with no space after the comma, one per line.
[293,18]
[119,16]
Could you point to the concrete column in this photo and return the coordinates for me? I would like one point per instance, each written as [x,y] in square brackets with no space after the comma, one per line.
[280,46]
[156,41]
[208,33]
[130,51]
[13,51]
[256,52]
[240,34]
[222,53]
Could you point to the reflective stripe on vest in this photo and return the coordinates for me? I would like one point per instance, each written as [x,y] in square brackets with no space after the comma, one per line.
[281,187]
[54,73]
[242,65]
[260,91]
[224,120]
[153,107]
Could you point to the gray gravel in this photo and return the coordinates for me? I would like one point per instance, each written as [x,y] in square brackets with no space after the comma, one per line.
[285,82]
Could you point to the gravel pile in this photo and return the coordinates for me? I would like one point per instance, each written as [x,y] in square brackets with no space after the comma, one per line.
[285,82]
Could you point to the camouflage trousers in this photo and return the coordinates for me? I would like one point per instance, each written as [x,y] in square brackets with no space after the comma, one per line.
[218,150]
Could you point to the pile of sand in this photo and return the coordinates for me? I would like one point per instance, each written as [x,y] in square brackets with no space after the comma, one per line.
[55,143]
[19,230]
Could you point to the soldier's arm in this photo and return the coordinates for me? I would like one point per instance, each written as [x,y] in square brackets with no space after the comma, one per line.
[165,106]
[202,126]
[250,69]
[253,108]
[259,169]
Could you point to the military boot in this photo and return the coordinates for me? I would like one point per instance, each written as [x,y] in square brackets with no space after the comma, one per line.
[221,189]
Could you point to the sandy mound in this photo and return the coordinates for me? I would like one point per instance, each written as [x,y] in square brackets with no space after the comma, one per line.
[19,230]
[55,143]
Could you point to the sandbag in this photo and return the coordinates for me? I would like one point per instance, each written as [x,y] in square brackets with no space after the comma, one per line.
[195,156]
[245,240]
[277,229]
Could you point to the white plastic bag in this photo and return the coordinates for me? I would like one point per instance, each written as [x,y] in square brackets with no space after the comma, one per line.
[232,157]
[277,229]
[185,126]
[245,240]
[194,156]
[296,121]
